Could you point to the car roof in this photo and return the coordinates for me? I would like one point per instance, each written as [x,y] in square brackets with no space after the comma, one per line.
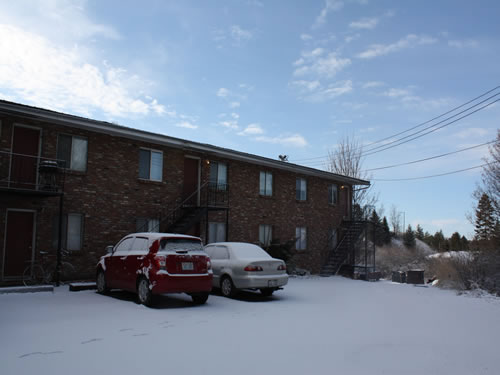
[155,235]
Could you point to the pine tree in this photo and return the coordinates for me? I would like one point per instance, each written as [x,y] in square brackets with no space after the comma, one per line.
[485,225]
[419,233]
[409,237]
[386,231]
[456,242]
[377,228]
[438,241]
[464,243]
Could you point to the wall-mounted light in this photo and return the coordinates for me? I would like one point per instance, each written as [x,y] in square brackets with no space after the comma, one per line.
[207,162]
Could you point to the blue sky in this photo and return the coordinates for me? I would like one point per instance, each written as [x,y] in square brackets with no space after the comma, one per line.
[275,77]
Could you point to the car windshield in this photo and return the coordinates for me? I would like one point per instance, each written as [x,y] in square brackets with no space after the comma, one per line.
[249,251]
[180,244]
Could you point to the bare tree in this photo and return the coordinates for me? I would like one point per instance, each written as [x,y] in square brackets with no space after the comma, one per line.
[395,219]
[347,160]
[491,175]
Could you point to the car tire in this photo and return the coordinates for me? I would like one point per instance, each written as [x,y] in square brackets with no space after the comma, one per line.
[199,298]
[144,294]
[102,286]
[267,292]
[227,287]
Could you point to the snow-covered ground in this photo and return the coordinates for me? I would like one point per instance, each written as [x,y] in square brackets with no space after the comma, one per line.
[313,326]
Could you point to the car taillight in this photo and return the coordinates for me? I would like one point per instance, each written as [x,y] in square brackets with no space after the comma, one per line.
[281,267]
[161,262]
[252,268]
[209,264]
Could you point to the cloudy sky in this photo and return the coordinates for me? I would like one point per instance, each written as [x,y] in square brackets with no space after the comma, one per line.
[278,77]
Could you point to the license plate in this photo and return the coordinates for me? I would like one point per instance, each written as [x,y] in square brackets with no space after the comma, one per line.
[272,283]
[187,266]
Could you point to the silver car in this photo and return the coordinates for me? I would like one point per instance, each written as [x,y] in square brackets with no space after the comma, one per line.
[238,265]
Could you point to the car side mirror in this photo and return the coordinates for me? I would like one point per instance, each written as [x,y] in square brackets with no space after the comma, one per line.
[109,249]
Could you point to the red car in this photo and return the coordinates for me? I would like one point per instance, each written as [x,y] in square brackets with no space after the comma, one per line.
[156,263]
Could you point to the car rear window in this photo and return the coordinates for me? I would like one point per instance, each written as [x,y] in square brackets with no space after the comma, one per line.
[180,244]
[249,251]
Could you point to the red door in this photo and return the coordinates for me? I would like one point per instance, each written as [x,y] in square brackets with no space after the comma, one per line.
[19,242]
[25,149]
[191,180]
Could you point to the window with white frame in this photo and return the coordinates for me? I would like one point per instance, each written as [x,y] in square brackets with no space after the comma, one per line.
[266,184]
[218,175]
[300,238]
[333,194]
[72,232]
[332,238]
[150,165]
[265,234]
[301,189]
[72,152]
[144,224]
[216,232]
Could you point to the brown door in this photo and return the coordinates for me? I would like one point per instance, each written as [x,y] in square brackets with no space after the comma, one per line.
[191,180]
[19,242]
[25,149]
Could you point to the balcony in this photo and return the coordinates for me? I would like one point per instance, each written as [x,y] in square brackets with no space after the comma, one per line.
[32,175]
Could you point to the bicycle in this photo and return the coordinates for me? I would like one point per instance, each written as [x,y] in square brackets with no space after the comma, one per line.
[36,274]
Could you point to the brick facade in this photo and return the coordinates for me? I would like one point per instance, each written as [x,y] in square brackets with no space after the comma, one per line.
[110,195]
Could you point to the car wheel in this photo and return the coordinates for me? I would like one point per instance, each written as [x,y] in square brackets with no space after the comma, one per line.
[102,287]
[199,298]
[144,294]
[227,287]
[267,292]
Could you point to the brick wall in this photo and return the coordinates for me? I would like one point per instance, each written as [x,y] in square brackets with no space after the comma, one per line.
[111,197]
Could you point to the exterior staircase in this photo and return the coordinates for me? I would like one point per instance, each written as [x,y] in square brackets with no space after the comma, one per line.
[189,217]
[340,253]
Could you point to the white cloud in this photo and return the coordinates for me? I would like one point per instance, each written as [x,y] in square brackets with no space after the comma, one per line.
[239,34]
[40,72]
[467,43]
[373,84]
[230,124]
[186,125]
[294,140]
[472,133]
[330,6]
[222,92]
[396,93]
[409,41]
[307,85]
[350,38]
[364,23]
[235,116]
[313,91]
[234,105]
[312,62]
[252,129]
[305,37]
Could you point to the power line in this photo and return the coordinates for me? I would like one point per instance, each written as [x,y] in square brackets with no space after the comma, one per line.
[374,150]
[432,176]
[416,126]
[430,158]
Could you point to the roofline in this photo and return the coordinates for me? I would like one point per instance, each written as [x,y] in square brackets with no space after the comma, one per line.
[123,131]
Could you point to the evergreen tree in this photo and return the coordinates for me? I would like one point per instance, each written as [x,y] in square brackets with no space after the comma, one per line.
[409,237]
[386,231]
[485,225]
[428,239]
[438,241]
[456,242]
[377,228]
[464,243]
[419,233]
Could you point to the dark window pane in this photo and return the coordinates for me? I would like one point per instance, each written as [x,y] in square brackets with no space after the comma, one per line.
[64,150]
[144,164]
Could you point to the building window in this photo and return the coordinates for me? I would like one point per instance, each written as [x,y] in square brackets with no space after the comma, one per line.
[216,232]
[72,229]
[332,238]
[300,238]
[144,224]
[150,165]
[301,189]
[72,152]
[333,194]
[265,234]
[266,184]
[218,175]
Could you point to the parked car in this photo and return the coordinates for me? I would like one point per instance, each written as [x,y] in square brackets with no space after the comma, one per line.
[238,265]
[156,263]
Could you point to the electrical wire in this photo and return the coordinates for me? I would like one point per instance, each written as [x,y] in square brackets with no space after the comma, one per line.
[432,176]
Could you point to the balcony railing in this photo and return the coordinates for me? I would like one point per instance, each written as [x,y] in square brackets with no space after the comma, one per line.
[31,174]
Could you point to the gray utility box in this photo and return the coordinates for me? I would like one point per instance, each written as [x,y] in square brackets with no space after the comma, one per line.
[399,277]
[415,277]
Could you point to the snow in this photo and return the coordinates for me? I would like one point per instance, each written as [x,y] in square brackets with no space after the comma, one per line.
[313,326]
[456,255]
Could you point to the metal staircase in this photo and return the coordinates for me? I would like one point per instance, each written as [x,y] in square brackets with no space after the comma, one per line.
[339,254]
[208,197]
